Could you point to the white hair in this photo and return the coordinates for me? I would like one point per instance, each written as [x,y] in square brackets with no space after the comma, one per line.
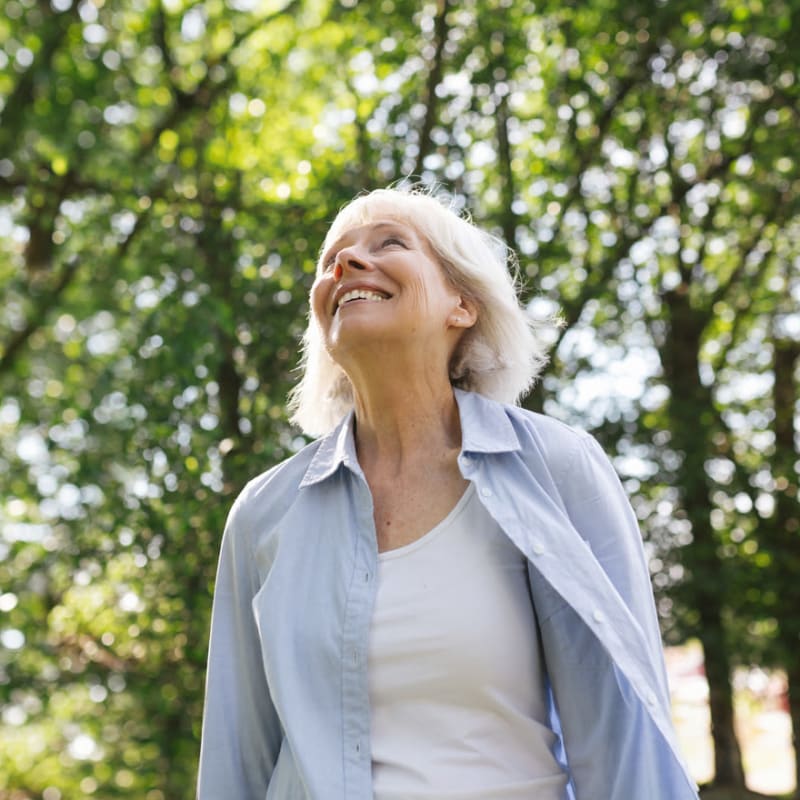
[500,356]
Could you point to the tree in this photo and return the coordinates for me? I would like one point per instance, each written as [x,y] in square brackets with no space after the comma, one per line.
[168,172]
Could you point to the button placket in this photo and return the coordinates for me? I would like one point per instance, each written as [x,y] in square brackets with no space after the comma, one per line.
[354,654]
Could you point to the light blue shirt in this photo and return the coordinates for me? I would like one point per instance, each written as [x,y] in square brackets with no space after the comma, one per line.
[287,707]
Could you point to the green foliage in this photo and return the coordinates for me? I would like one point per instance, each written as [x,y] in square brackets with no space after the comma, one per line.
[167,173]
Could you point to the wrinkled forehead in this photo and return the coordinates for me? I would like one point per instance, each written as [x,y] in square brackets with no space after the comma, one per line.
[369,209]
[359,214]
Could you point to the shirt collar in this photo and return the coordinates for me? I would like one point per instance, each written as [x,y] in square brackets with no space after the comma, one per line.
[337,447]
[485,425]
[485,428]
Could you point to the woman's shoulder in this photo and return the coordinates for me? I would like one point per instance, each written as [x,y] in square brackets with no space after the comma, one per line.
[274,489]
[564,448]
[547,427]
[566,452]
[543,435]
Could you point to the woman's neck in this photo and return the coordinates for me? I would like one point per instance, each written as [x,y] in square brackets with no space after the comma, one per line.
[401,422]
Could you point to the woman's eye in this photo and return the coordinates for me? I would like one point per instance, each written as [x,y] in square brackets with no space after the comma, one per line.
[392,240]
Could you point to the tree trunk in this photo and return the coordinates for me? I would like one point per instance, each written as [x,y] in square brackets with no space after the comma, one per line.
[793,679]
[782,535]
[727,754]
[692,425]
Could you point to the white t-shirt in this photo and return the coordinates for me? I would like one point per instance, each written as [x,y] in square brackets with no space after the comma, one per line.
[457,683]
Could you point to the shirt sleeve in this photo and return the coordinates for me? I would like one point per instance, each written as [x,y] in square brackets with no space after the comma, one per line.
[613,745]
[601,512]
[241,734]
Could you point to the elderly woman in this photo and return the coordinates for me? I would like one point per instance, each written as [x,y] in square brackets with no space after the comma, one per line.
[444,596]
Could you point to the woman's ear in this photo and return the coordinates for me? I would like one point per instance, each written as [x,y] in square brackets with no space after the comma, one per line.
[465,314]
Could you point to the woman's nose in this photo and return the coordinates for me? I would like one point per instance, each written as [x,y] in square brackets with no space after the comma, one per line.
[347,258]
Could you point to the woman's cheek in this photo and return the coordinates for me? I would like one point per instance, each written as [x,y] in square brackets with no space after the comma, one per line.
[318,301]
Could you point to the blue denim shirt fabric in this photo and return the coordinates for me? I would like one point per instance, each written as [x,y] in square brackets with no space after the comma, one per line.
[287,709]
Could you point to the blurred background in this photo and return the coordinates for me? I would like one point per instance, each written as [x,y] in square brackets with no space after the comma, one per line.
[168,169]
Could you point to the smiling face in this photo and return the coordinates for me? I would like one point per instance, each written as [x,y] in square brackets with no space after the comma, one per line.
[378,285]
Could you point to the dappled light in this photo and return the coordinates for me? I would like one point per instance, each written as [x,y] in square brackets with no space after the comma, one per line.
[167,174]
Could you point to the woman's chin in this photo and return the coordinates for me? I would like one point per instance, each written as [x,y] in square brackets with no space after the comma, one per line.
[354,325]
[364,339]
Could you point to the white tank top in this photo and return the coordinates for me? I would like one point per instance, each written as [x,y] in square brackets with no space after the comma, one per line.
[456,679]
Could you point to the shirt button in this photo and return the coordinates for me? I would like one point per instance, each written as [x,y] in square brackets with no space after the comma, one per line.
[598,616]
[538,549]
[651,698]
[486,491]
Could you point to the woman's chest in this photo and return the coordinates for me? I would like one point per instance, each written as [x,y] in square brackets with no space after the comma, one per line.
[406,510]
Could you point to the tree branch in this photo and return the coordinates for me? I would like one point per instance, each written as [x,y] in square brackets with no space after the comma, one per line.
[48,300]
[53,30]
[434,79]
[206,90]
[45,304]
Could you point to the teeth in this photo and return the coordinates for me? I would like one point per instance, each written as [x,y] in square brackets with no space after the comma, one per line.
[359,294]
